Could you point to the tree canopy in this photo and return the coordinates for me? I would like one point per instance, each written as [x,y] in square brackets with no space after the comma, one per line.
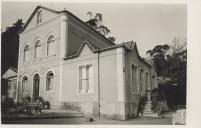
[96,23]
[10,46]
[170,60]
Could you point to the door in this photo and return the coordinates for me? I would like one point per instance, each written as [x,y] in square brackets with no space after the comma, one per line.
[36,82]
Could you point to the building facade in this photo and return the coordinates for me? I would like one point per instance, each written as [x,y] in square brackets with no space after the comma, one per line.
[74,67]
[10,80]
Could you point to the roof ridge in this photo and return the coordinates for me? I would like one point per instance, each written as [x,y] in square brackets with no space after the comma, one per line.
[14,69]
[62,11]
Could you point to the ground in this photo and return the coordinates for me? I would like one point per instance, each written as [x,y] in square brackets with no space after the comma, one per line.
[83,120]
[77,118]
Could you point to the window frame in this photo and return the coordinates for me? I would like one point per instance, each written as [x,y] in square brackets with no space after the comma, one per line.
[88,89]
[39,17]
[13,88]
[37,45]
[26,53]
[51,45]
[141,82]
[26,85]
[136,88]
[51,81]
[147,80]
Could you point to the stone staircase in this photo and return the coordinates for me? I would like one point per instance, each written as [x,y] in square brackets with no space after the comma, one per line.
[147,112]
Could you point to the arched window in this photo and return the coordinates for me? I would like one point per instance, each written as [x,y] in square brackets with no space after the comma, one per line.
[51,46]
[26,53]
[37,52]
[49,81]
[24,84]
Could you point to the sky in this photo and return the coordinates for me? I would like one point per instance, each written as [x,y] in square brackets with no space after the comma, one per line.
[146,24]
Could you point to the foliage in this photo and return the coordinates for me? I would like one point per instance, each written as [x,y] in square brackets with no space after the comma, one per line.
[26,99]
[141,104]
[159,53]
[40,99]
[170,61]
[175,95]
[10,45]
[6,104]
[158,99]
[44,102]
[96,23]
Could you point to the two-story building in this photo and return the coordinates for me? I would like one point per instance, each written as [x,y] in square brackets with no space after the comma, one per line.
[72,66]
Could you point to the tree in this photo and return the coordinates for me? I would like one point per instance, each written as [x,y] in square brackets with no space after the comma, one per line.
[96,23]
[177,61]
[170,61]
[10,46]
[159,53]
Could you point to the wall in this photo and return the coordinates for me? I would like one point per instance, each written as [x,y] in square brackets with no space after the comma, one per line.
[46,16]
[78,32]
[133,97]
[72,99]
[43,64]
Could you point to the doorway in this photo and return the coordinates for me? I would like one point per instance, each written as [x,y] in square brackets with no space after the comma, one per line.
[36,83]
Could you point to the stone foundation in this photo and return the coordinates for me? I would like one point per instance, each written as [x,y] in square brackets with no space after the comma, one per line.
[131,109]
[112,110]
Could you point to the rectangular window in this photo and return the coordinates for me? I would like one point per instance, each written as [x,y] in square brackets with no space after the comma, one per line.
[27,57]
[39,17]
[141,79]
[134,78]
[12,89]
[86,78]
[147,81]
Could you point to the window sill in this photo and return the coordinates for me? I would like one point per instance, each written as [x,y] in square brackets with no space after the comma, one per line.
[86,93]
[24,93]
[48,56]
[37,59]
[48,92]
[26,62]
[135,93]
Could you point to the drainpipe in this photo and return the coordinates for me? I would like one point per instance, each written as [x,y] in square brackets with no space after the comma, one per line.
[98,84]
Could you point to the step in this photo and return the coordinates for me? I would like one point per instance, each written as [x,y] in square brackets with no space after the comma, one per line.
[150,115]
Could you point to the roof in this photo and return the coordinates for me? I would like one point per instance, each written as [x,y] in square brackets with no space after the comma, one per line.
[130,45]
[14,69]
[93,48]
[59,12]
[133,46]
[10,73]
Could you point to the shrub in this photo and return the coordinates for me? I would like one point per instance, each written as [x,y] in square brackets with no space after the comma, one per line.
[7,103]
[158,101]
[26,99]
[141,104]
[40,99]
[47,104]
